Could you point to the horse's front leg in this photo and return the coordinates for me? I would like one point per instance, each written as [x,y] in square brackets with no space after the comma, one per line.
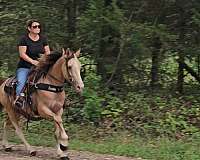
[60,134]
[61,137]
[62,142]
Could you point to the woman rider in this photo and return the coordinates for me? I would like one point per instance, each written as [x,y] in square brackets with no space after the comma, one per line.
[30,46]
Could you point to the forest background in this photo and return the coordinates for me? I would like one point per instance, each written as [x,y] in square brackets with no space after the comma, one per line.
[140,62]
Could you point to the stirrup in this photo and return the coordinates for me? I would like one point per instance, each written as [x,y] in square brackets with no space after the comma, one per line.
[20,102]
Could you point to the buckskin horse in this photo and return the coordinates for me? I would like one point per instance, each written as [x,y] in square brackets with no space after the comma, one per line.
[54,69]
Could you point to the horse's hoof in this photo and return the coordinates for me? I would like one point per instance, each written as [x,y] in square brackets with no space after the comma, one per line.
[33,153]
[8,149]
[63,148]
[64,158]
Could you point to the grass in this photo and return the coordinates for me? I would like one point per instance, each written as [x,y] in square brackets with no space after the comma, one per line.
[134,146]
[87,138]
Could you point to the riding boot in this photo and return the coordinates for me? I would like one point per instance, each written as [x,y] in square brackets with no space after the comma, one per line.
[20,101]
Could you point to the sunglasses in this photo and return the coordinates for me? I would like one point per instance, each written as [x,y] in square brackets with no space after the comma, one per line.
[36,26]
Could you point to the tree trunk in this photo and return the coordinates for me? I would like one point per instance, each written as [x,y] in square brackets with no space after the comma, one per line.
[154,70]
[198,63]
[71,22]
[155,63]
[189,70]
[180,74]
[181,25]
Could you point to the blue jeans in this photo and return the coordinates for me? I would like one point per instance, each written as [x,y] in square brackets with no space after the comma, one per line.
[22,75]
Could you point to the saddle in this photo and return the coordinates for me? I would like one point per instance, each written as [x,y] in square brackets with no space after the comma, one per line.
[28,110]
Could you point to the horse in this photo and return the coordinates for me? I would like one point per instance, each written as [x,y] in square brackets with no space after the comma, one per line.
[55,69]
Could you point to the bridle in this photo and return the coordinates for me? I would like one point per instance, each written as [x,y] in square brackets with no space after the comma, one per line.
[70,79]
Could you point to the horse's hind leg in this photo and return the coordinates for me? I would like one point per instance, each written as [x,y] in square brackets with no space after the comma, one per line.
[7,124]
[14,120]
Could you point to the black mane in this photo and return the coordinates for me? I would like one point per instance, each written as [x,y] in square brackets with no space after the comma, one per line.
[46,62]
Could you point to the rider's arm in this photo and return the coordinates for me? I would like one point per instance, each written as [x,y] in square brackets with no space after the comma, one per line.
[24,56]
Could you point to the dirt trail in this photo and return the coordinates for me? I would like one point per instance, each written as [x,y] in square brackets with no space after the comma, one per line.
[46,153]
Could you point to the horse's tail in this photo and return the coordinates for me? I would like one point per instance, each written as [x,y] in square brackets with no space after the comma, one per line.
[1,82]
[1,107]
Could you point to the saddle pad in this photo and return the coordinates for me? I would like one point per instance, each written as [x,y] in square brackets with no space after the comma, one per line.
[10,85]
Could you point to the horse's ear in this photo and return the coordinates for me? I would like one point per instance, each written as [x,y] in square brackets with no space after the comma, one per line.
[78,53]
[63,51]
[66,52]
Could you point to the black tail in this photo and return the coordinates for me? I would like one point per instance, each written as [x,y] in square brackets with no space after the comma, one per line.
[1,81]
[1,107]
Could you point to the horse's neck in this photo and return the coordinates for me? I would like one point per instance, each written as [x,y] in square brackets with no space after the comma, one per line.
[56,72]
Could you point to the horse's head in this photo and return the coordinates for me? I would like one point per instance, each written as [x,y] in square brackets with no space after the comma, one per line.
[71,69]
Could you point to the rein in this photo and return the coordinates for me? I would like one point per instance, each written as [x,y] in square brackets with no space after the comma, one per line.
[58,80]
[53,88]
[55,78]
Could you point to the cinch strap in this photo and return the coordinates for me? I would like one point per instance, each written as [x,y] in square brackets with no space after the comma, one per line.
[48,87]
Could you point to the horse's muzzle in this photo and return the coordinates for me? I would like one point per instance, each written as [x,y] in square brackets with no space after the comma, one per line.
[79,88]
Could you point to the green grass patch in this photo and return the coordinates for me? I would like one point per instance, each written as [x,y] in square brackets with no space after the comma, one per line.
[87,138]
[146,148]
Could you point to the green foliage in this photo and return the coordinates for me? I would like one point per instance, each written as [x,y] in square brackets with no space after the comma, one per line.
[168,72]
[113,108]
[145,148]
[162,114]
[92,106]
[90,25]
[4,71]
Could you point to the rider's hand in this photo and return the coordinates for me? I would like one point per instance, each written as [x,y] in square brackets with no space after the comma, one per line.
[34,62]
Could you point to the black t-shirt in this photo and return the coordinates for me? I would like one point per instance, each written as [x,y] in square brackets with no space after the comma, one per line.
[34,49]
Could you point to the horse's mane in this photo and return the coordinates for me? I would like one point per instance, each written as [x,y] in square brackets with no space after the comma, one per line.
[46,62]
